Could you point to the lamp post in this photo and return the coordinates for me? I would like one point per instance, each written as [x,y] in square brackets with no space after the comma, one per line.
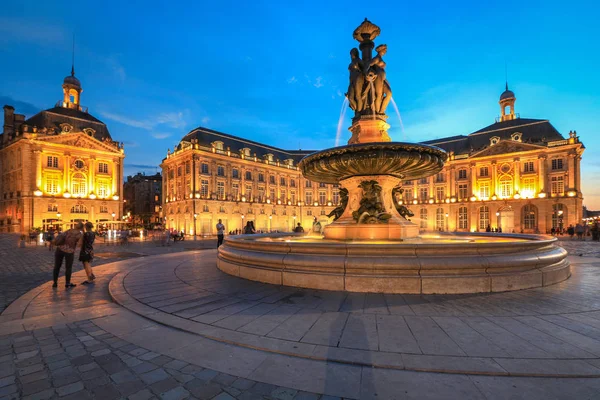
[270,220]
[560,220]
[498,219]
[294,224]
[195,216]
[447,227]
[242,224]
[113,218]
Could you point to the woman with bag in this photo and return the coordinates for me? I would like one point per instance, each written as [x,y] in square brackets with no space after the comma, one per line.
[66,243]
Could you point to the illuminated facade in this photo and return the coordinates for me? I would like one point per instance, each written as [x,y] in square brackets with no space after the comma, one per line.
[517,174]
[520,175]
[58,167]
[142,200]
[212,175]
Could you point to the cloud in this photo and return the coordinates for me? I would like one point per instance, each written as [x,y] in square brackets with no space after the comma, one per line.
[131,144]
[29,30]
[21,107]
[127,120]
[157,135]
[292,80]
[205,120]
[140,166]
[170,119]
[115,66]
[318,82]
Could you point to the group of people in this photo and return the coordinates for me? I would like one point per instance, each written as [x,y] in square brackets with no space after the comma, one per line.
[66,244]
[494,230]
[581,231]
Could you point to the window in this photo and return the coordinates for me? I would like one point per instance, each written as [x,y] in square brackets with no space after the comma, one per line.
[463,191]
[52,207]
[308,198]
[103,168]
[52,162]
[463,222]
[559,214]
[235,173]
[272,179]
[262,210]
[293,197]
[423,194]
[103,209]
[248,175]
[250,211]
[261,194]
[79,164]
[439,219]
[222,209]
[484,217]
[235,190]
[282,195]
[440,177]
[528,187]
[322,197]
[407,183]
[272,194]
[528,166]
[187,167]
[484,171]
[423,181]
[221,190]
[557,185]
[248,192]
[79,209]
[171,173]
[322,185]
[462,174]
[557,163]
[102,188]
[203,187]
[307,184]
[440,193]
[205,208]
[423,217]
[261,177]
[220,170]
[484,190]
[292,182]
[204,168]
[336,197]
[52,184]
[309,212]
[282,181]
[179,171]
[506,186]
[79,185]
[529,217]
[218,145]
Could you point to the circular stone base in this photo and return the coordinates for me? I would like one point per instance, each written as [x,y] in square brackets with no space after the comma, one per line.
[458,263]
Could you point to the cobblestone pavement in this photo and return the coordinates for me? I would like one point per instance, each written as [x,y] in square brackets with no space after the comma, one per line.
[78,344]
[580,248]
[22,269]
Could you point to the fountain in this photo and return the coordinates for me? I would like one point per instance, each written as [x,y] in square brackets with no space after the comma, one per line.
[372,245]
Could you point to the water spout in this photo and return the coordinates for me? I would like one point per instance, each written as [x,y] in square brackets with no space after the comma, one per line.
[341,121]
[399,118]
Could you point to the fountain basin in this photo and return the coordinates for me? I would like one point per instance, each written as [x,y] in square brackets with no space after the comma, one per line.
[457,263]
[397,159]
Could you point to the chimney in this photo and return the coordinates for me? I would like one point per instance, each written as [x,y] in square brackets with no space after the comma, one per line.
[19,119]
[9,123]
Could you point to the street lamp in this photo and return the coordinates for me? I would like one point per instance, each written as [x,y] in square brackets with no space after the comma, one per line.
[498,219]
[447,227]
[195,216]
[560,220]
[270,220]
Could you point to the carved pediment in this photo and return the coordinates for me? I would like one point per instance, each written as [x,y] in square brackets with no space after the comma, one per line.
[80,140]
[506,147]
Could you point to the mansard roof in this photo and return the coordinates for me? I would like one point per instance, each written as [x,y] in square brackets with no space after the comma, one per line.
[207,136]
[533,131]
[79,120]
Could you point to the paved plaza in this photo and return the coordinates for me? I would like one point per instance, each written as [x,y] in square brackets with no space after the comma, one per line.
[163,322]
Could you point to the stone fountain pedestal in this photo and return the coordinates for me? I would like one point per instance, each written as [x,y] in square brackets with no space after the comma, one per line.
[347,228]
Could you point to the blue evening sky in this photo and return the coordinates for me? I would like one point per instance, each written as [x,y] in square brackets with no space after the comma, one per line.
[276,71]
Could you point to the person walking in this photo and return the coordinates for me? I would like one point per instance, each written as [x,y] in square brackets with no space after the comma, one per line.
[220,233]
[86,255]
[66,243]
[579,231]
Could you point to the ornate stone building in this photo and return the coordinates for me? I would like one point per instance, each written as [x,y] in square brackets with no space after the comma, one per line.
[213,175]
[142,200]
[517,174]
[58,167]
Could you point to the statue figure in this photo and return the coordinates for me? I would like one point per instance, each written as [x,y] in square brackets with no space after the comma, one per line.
[371,210]
[357,81]
[339,210]
[383,91]
[402,210]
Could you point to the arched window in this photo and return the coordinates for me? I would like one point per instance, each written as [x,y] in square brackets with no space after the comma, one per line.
[529,213]
[439,219]
[506,186]
[559,215]
[463,221]
[484,217]
[79,185]
[423,217]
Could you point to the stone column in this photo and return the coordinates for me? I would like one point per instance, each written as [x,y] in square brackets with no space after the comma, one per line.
[494,187]
[473,172]
[431,193]
[571,171]
[517,168]
[38,169]
[451,175]
[542,174]
[92,176]
[114,167]
[67,176]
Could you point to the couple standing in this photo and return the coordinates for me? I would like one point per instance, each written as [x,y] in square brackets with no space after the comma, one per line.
[66,243]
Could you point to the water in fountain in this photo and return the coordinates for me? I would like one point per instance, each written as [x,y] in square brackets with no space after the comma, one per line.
[399,118]
[341,121]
